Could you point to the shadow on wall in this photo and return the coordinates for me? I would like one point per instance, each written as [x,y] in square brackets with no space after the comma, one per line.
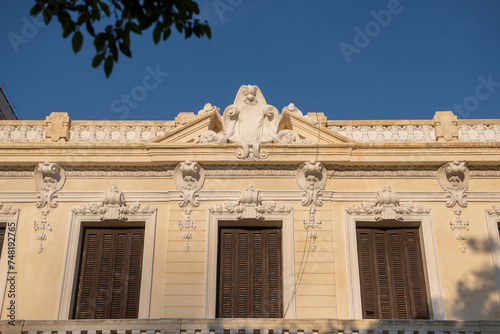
[477,297]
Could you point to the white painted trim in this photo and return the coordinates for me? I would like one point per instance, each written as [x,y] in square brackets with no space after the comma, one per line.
[492,221]
[72,255]
[4,268]
[431,266]
[265,195]
[288,251]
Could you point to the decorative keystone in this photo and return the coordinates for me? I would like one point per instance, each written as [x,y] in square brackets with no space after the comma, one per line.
[445,126]
[58,124]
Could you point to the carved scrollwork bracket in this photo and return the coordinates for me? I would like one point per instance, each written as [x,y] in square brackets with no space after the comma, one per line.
[189,177]
[387,207]
[453,177]
[311,177]
[113,207]
[49,179]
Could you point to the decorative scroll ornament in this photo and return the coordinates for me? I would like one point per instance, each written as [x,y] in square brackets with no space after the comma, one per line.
[453,177]
[311,177]
[460,225]
[495,210]
[113,207]
[250,206]
[42,226]
[387,207]
[312,223]
[8,209]
[189,177]
[49,179]
[187,223]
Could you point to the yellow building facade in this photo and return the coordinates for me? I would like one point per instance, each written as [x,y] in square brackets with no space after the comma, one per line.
[250,213]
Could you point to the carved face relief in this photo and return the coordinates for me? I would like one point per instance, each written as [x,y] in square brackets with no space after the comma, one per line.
[453,177]
[311,177]
[189,177]
[49,178]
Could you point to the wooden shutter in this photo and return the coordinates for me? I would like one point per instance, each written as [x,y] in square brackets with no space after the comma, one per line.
[2,237]
[250,279]
[391,274]
[110,274]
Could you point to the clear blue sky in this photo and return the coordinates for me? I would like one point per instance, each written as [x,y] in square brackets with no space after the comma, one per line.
[412,58]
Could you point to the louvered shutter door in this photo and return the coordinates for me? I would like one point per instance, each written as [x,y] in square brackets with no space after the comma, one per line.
[249,273]
[110,274]
[391,274]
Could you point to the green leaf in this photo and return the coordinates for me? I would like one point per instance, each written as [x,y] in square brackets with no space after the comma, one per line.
[36,9]
[100,41]
[157,33]
[108,65]
[134,27]
[77,41]
[124,49]
[105,8]
[90,29]
[97,60]
[166,33]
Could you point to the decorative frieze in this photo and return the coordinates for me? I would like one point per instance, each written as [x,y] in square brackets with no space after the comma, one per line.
[49,179]
[453,177]
[113,206]
[460,225]
[386,133]
[22,133]
[189,177]
[387,207]
[115,134]
[311,177]
[479,133]
[250,206]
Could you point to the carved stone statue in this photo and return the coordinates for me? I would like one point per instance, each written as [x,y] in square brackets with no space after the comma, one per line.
[250,121]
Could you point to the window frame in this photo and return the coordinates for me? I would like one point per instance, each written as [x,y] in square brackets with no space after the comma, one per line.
[72,257]
[433,282]
[285,221]
[492,218]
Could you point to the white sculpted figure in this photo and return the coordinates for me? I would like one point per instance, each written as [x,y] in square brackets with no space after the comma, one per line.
[250,121]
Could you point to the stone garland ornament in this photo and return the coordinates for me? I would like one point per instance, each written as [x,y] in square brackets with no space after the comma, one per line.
[311,177]
[42,226]
[460,225]
[49,179]
[387,207]
[188,224]
[113,206]
[189,177]
[453,177]
[250,206]
[312,223]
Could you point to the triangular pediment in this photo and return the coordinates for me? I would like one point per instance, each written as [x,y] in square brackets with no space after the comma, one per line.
[192,128]
[306,127]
